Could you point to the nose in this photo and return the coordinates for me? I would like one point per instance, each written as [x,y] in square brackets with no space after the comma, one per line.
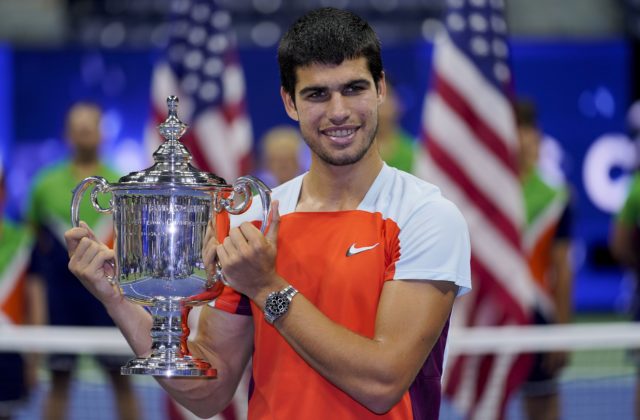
[338,109]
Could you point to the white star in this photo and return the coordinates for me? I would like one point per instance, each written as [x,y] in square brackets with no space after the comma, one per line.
[499,48]
[200,12]
[193,59]
[190,83]
[209,91]
[456,22]
[221,20]
[479,46]
[478,22]
[197,35]
[213,67]
[217,43]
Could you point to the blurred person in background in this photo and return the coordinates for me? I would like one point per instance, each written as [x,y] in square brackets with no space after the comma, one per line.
[67,301]
[396,146]
[282,158]
[547,245]
[18,305]
[624,240]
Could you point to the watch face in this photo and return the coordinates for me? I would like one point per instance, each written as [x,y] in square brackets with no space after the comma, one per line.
[278,304]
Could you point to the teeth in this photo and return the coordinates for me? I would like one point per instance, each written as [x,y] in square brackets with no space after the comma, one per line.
[340,133]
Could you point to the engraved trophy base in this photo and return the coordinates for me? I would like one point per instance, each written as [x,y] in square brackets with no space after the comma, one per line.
[170,355]
[185,366]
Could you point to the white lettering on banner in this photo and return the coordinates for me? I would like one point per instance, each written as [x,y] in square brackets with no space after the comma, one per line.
[606,153]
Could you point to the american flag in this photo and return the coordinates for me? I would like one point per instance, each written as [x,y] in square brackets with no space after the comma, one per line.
[469,150]
[200,65]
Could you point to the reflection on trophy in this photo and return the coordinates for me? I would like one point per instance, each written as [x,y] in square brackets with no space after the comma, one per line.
[160,220]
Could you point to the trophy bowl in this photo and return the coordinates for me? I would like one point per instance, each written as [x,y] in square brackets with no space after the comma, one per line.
[160,220]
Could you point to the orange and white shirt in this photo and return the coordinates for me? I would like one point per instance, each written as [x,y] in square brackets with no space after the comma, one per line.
[403,230]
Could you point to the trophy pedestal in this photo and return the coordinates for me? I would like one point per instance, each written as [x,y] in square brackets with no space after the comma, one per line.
[170,355]
[185,366]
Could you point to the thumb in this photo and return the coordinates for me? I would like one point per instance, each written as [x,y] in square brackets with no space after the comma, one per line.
[273,223]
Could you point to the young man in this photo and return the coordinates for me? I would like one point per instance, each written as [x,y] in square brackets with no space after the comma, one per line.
[351,289]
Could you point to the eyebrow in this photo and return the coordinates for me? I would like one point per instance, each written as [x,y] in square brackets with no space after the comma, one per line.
[315,88]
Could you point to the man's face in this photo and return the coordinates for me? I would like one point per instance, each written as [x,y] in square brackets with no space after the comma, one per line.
[337,108]
[528,138]
[83,132]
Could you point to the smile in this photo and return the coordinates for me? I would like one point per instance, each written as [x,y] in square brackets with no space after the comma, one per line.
[343,132]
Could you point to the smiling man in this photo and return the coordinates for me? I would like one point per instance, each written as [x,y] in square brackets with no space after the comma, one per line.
[344,303]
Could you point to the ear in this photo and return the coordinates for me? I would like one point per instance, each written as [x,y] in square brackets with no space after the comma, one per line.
[289,105]
[382,89]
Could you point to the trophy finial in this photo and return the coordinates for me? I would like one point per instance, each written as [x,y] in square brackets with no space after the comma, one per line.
[172,104]
[172,128]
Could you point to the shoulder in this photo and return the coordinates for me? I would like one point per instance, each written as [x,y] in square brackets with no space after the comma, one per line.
[49,177]
[407,199]
[109,173]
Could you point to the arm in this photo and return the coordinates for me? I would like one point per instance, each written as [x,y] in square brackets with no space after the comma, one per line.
[228,352]
[561,280]
[375,371]
[225,340]
[622,244]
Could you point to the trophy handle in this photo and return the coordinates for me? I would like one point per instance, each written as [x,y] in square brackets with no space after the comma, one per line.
[242,186]
[102,186]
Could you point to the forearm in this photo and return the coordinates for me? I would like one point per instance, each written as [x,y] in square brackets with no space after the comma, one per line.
[360,366]
[562,296]
[226,342]
[134,323]
[562,281]
[376,371]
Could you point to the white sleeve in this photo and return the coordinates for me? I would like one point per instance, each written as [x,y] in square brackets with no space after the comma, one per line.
[434,245]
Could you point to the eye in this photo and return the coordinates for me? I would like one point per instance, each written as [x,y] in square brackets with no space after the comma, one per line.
[354,89]
[316,95]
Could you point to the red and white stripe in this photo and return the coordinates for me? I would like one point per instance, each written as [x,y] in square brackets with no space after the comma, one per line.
[469,140]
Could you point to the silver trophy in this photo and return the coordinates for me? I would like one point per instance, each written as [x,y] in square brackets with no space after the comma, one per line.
[160,219]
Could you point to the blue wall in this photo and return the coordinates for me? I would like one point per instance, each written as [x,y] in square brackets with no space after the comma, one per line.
[582,89]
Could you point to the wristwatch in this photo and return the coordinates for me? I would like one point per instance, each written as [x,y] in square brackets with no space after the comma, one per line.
[277,303]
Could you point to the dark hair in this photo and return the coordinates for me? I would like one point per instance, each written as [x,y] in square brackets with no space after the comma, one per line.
[327,36]
[526,113]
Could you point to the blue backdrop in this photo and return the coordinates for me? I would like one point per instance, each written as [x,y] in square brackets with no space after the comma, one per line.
[581,88]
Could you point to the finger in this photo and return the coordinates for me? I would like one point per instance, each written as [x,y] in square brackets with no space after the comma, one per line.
[82,245]
[89,252]
[210,232]
[73,236]
[238,239]
[274,225]
[91,234]
[252,234]
[97,264]
[223,255]
[209,254]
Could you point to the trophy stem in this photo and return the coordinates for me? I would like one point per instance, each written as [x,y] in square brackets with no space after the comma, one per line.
[170,356]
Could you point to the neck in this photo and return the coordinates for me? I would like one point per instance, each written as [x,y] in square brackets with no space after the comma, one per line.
[84,168]
[335,188]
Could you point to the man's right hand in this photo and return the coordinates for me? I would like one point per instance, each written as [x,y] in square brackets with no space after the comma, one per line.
[90,261]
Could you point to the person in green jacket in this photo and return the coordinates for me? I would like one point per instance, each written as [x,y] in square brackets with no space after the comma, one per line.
[67,301]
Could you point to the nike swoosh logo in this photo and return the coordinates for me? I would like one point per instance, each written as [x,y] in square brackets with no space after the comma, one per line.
[353,249]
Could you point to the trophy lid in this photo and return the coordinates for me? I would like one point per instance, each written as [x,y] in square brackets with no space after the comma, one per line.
[172,159]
